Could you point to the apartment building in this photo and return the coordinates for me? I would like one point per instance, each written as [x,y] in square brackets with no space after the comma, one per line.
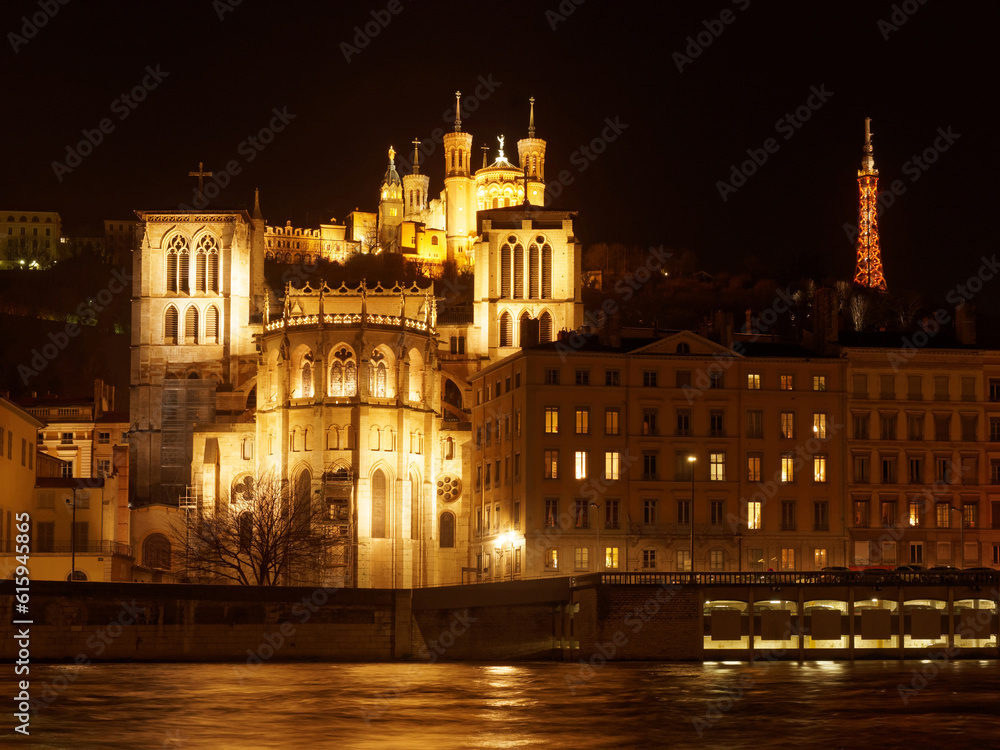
[658,455]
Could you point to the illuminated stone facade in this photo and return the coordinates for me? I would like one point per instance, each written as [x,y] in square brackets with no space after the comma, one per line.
[358,397]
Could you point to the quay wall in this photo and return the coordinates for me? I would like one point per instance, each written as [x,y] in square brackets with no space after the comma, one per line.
[592,619]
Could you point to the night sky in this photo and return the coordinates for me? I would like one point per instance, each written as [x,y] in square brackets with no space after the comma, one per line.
[230,64]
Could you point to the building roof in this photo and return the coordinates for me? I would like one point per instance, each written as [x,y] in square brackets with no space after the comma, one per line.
[19,412]
[942,339]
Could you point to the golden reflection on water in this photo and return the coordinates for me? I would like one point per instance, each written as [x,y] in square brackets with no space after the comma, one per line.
[538,705]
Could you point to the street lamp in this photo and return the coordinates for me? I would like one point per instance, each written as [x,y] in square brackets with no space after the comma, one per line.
[691,460]
[72,533]
[501,542]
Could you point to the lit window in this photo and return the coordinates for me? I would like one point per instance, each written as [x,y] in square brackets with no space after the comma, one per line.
[552,559]
[612,465]
[819,382]
[580,464]
[717,467]
[787,559]
[787,467]
[716,559]
[683,560]
[611,558]
[753,381]
[582,421]
[787,382]
[787,424]
[552,420]
[753,467]
[819,468]
[753,514]
[819,426]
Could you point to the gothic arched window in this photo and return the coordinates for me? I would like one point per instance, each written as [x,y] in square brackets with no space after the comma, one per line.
[518,272]
[156,552]
[505,272]
[212,325]
[170,325]
[506,330]
[350,379]
[177,264]
[208,253]
[380,380]
[533,272]
[191,325]
[546,271]
[447,532]
[545,328]
[307,379]
[336,379]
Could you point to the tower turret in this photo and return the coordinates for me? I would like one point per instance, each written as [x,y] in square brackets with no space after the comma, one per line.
[868,273]
[415,187]
[458,185]
[390,207]
[531,152]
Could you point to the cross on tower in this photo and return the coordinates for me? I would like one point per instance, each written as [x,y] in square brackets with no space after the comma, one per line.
[201,174]
[416,155]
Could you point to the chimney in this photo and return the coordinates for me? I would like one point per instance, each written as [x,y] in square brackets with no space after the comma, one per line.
[965,325]
[722,323]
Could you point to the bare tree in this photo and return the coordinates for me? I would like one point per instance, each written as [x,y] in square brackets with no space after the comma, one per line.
[265,535]
[859,311]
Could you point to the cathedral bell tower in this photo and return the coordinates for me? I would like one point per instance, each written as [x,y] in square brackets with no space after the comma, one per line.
[390,207]
[459,186]
[531,151]
[415,187]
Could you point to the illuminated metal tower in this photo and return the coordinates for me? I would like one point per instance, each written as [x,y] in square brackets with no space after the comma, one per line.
[869,268]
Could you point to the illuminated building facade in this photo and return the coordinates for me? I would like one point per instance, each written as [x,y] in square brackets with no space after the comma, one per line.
[357,397]
[581,459]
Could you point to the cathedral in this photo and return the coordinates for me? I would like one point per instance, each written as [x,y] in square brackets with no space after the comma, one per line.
[358,397]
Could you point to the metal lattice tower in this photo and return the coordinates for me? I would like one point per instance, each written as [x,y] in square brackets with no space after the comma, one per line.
[869,266]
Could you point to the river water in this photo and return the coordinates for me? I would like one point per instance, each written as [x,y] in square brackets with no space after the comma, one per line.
[286,706]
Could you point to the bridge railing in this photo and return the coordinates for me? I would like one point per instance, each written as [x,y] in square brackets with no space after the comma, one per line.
[835,578]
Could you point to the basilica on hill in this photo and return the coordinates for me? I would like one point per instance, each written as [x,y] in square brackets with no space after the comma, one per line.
[357,396]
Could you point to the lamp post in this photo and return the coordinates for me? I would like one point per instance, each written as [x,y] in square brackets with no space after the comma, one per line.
[72,533]
[72,538]
[691,460]
[501,542]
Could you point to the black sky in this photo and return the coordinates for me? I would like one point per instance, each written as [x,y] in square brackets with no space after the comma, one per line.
[655,184]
